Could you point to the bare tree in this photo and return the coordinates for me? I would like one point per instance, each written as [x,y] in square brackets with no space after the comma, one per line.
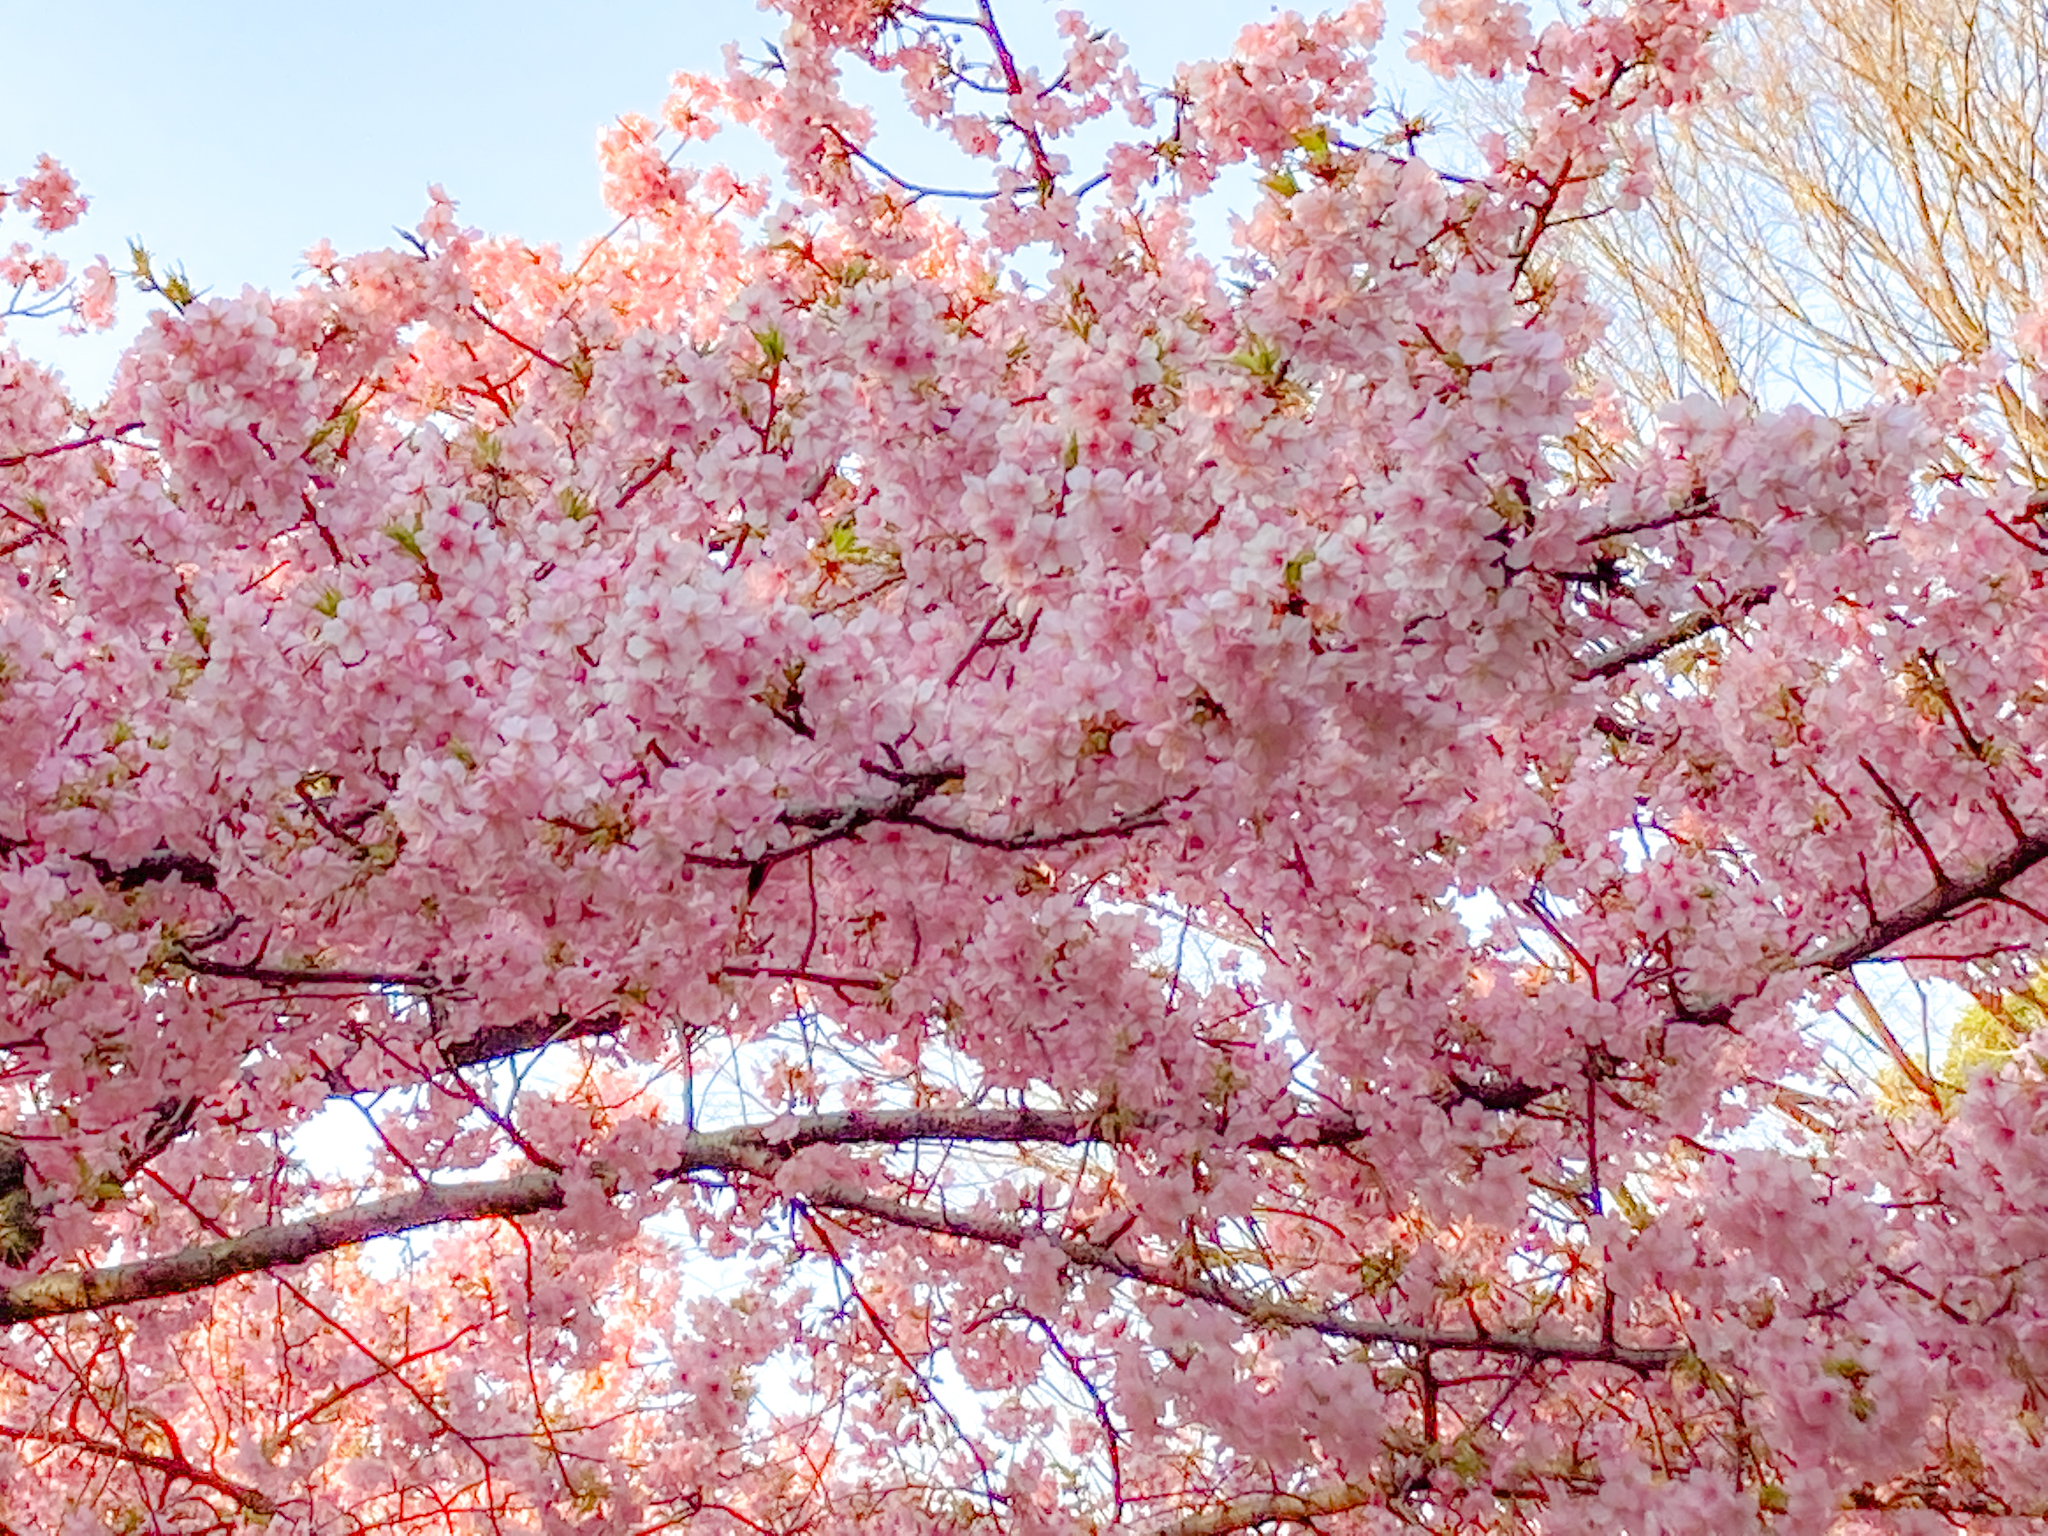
[1864,192]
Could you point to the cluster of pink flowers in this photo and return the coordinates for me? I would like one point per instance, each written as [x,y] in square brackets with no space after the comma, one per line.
[51,195]
[41,281]
[1146,898]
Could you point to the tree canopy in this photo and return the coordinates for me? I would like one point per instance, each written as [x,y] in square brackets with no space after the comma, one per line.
[971,873]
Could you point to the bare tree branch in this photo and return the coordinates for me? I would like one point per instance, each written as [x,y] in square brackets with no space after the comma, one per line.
[502,1040]
[279,976]
[13,460]
[761,1151]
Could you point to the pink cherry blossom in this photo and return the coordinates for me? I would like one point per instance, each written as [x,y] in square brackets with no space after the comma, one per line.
[51,195]
[842,866]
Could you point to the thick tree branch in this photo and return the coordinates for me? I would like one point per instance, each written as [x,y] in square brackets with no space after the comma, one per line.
[1254,1510]
[161,865]
[65,1292]
[502,1040]
[1255,1310]
[1691,627]
[758,1150]
[1937,906]
[761,1151]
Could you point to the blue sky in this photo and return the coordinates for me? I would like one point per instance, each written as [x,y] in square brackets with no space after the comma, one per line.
[231,136]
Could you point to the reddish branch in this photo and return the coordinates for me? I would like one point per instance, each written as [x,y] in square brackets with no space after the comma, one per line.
[175,1467]
[12,460]
[525,346]
[1041,162]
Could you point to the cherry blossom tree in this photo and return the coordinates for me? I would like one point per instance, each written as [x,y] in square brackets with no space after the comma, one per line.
[975,874]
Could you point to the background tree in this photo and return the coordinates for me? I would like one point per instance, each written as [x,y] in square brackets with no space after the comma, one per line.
[1862,194]
[1151,899]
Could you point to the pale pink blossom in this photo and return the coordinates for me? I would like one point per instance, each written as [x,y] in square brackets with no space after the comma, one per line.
[964,873]
[52,195]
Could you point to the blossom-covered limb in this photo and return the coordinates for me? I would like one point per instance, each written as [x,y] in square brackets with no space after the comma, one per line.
[1260,1312]
[1669,638]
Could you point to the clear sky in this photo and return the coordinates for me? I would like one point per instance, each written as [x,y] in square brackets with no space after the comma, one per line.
[230,136]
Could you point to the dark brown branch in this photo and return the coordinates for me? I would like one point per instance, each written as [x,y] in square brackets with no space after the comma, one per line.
[1937,906]
[1949,897]
[1696,508]
[815,978]
[1691,627]
[332,828]
[834,824]
[161,865]
[277,976]
[1148,817]
[1621,730]
[1921,1497]
[838,823]
[502,1040]
[1500,1095]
